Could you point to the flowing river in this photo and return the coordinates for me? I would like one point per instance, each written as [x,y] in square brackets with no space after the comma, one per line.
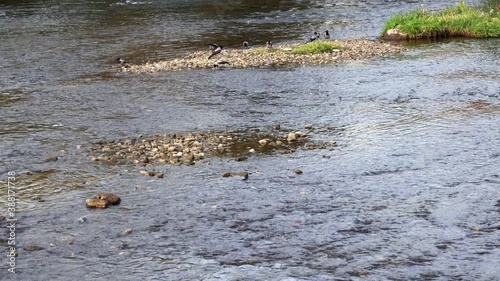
[410,192]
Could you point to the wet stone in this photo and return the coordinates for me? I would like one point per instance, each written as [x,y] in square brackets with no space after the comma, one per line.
[96,203]
[297,171]
[33,248]
[51,158]
[243,175]
[110,198]
[240,158]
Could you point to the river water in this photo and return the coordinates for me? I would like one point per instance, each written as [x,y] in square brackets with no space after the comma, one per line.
[411,192]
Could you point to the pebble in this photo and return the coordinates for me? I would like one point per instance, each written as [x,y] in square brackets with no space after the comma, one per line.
[291,137]
[263,142]
[33,248]
[297,171]
[51,158]
[240,158]
[243,175]
[127,231]
[82,219]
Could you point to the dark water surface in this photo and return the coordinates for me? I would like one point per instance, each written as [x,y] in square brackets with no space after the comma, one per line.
[412,192]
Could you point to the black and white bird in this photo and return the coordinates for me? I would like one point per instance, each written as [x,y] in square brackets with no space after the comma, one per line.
[314,37]
[269,44]
[121,61]
[216,50]
[245,44]
[221,64]
[327,35]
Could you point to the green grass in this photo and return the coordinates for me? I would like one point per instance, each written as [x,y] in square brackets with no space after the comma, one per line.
[459,20]
[316,47]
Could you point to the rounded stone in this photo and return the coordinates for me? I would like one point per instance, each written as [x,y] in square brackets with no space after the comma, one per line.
[96,203]
[110,198]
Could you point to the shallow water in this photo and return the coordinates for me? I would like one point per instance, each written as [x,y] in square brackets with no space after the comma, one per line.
[410,193]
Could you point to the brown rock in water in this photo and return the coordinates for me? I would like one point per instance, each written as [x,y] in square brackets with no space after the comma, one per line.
[49,158]
[291,137]
[160,175]
[394,34]
[243,175]
[297,171]
[96,203]
[240,158]
[110,198]
[33,248]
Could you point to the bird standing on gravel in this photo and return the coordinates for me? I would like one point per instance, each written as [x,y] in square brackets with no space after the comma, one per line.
[216,50]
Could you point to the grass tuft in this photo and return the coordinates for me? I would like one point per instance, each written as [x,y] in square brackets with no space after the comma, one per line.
[454,21]
[312,48]
[316,47]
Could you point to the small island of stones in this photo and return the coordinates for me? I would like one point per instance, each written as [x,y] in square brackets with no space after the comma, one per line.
[278,55]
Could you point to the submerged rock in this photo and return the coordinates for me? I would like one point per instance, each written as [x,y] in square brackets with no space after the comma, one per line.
[243,175]
[33,248]
[50,158]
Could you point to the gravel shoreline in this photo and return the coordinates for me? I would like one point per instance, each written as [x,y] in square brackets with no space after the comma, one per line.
[353,49]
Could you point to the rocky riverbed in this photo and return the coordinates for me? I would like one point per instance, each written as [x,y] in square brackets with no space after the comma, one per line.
[190,148]
[279,55]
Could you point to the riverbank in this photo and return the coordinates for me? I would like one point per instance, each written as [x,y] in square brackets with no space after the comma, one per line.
[280,55]
[454,21]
